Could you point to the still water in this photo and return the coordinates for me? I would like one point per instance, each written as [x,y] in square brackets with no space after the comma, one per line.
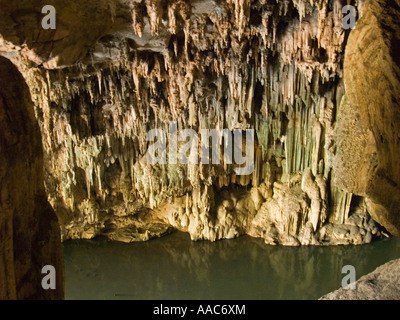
[174,267]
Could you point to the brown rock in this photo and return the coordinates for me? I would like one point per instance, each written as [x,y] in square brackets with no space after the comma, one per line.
[29,230]
[372,79]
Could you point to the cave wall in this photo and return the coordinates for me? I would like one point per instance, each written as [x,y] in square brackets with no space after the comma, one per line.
[113,70]
[29,230]
[372,78]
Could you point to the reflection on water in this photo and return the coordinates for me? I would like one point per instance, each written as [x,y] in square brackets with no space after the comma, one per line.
[174,267]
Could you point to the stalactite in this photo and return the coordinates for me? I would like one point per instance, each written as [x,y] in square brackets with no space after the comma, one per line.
[229,65]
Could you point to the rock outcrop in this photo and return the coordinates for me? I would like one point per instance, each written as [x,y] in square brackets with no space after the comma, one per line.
[372,78]
[29,230]
[113,70]
[382,284]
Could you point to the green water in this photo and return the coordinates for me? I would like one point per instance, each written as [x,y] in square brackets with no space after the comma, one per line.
[174,267]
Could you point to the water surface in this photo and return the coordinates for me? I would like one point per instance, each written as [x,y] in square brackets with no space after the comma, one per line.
[174,267]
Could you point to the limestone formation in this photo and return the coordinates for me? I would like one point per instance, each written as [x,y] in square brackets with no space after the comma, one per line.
[381,284]
[372,78]
[115,69]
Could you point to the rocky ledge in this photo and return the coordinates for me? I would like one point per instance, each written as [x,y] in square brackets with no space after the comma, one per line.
[382,284]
